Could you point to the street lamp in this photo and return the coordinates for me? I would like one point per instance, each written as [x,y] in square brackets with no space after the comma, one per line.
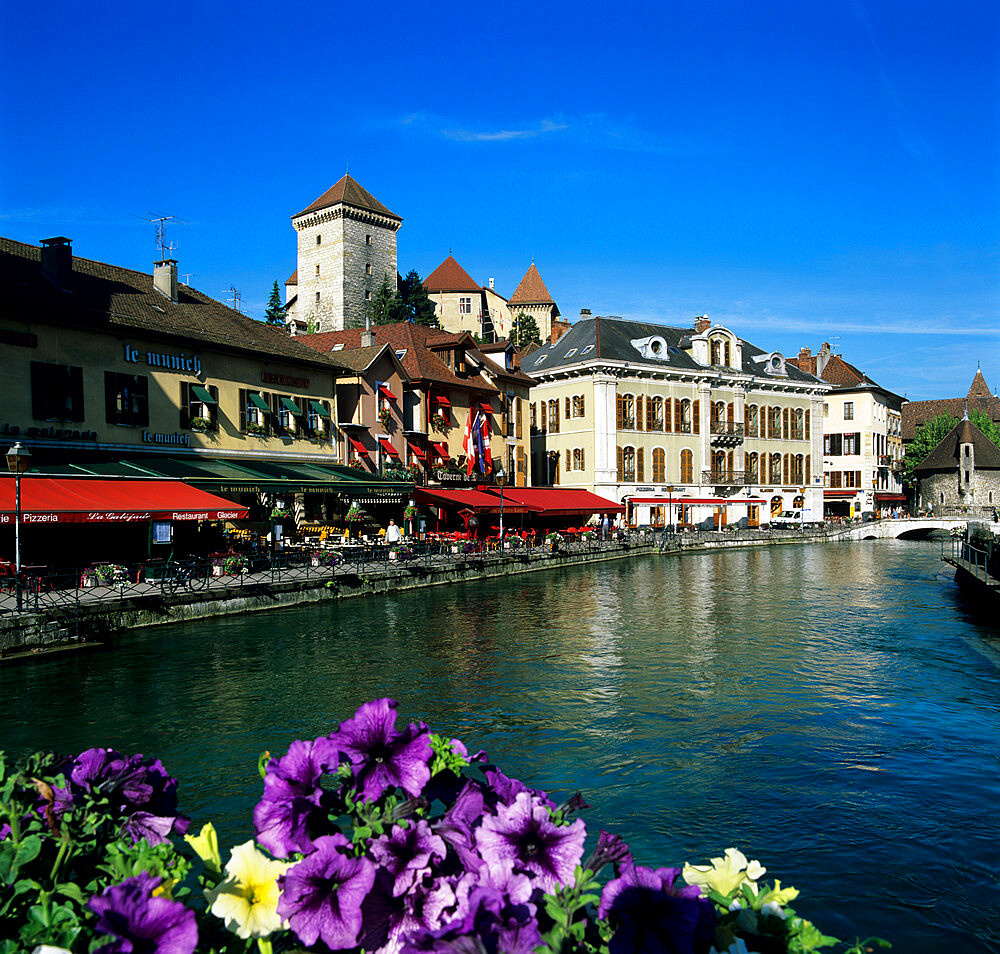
[18,459]
[670,506]
[500,474]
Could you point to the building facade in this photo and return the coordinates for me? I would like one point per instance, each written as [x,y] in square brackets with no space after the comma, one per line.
[693,419]
[346,248]
[961,475]
[532,298]
[862,438]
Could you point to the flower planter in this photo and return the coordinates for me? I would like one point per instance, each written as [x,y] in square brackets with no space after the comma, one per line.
[393,556]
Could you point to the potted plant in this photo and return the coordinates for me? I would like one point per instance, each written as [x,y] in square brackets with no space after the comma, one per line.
[353,517]
[554,539]
[256,429]
[279,513]
[235,565]
[201,424]
[439,423]
[385,417]
[402,552]
[326,558]
[107,574]
[356,463]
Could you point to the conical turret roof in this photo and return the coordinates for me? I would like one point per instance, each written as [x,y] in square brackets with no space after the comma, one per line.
[532,290]
[347,191]
[979,389]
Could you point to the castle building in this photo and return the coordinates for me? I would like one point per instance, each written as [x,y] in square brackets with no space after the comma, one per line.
[533,298]
[346,248]
[460,304]
[961,474]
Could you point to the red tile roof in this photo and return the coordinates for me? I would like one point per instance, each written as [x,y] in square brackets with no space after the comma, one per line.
[532,290]
[347,191]
[293,279]
[449,276]
[979,398]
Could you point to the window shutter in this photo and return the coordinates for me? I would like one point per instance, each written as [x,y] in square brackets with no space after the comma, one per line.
[621,419]
[542,405]
[582,410]
[243,410]
[729,462]
[638,412]
[522,461]
[567,408]
[649,414]
[621,461]
[808,437]
[730,410]
[786,424]
[110,397]
[583,460]
[555,469]
[213,409]
[185,396]
[784,469]
[640,470]
[696,417]
[517,418]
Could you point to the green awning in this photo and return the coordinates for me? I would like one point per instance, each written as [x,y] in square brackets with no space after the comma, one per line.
[202,394]
[289,405]
[257,401]
[320,410]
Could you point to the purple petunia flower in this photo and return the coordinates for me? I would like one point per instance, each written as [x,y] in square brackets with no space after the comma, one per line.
[321,895]
[524,833]
[381,755]
[293,797]
[141,923]
[406,854]
[456,826]
[610,850]
[502,790]
[653,916]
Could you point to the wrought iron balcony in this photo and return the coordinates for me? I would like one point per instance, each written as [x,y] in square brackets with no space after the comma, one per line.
[727,478]
[683,428]
[728,433]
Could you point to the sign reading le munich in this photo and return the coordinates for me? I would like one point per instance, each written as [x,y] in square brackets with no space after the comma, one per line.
[170,362]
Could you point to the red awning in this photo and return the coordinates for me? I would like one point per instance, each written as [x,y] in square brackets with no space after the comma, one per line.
[387,447]
[714,501]
[358,446]
[890,498]
[440,399]
[466,497]
[416,451]
[386,393]
[850,492]
[488,408]
[556,501]
[92,500]
[440,450]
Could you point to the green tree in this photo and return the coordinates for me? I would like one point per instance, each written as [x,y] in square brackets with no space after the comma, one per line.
[416,302]
[982,420]
[524,330]
[927,436]
[387,306]
[275,313]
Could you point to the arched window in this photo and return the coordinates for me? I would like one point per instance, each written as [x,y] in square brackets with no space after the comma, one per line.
[718,466]
[626,464]
[775,477]
[655,414]
[718,412]
[687,467]
[798,469]
[554,417]
[753,473]
[753,421]
[659,465]
[685,421]
[798,431]
[716,351]
[628,412]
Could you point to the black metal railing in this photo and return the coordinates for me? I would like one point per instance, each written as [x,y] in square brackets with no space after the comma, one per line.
[723,477]
[727,429]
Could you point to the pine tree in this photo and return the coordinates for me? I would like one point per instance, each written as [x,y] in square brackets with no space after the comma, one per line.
[416,302]
[524,330]
[275,313]
[387,306]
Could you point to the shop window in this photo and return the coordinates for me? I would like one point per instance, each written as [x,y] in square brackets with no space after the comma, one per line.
[126,398]
[199,407]
[56,392]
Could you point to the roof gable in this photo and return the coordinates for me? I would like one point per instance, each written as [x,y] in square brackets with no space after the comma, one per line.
[946,456]
[449,276]
[346,191]
[532,290]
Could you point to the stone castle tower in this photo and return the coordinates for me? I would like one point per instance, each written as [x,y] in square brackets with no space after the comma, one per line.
[533,298]
[346,246]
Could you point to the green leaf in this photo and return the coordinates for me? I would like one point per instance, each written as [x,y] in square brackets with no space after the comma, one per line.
[13,857]
[72,891]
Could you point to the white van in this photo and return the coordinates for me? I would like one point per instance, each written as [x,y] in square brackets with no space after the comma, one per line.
[787,518]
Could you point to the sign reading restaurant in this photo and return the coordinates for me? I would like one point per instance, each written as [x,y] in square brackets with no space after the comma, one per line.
[169,362]
[283,380]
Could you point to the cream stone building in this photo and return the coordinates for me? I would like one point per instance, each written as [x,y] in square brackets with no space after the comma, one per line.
[346,248]
[696,419]
[862,438]
[533,298]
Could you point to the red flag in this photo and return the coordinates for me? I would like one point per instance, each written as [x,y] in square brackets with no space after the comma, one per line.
[469,446]
[484,434]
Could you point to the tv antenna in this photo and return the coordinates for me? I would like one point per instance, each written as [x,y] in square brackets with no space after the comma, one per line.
[187,278]
[164,248]
[234,299]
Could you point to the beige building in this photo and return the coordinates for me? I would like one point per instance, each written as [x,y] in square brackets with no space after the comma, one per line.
[346,247]
[693,418]
[862,438]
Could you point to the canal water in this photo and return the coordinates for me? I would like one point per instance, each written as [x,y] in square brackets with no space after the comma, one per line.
[831,709]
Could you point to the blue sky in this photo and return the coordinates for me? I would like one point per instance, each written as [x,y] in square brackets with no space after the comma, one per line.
[801,171]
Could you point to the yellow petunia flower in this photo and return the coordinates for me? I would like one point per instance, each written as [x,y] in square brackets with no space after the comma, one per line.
[206,846]
[725,875]
[247,900]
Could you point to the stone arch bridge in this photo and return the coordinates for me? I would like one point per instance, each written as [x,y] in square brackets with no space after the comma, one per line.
[910,528]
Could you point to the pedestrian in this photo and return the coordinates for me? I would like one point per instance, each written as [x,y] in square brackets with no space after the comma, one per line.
[392,534]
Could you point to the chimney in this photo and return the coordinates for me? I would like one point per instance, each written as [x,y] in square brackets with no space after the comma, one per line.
[805,354]
[584,313]
[57,261]
[559,328]
[367,338]
[491,285]
[702,324]
[165,278]
[822,358]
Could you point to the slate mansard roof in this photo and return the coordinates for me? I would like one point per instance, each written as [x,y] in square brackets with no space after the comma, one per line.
[114,300]
[610,339]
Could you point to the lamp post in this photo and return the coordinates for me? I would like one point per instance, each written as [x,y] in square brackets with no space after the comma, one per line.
[500,475]
[18,459]
[670,507]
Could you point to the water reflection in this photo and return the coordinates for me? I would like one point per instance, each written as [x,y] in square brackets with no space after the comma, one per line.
[831,709]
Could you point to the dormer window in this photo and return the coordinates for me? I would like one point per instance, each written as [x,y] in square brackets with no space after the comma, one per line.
[540,359]
[653,347]
[570,353]
[587,350]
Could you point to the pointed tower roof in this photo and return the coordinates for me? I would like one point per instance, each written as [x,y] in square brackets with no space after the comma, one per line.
[449,276]
[979,389]
[346,191]
[947,455]
[532,290]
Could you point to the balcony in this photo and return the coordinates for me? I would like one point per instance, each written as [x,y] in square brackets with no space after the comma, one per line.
[726,433]
[797,434]
[884,460]
[724,478]
[683,428]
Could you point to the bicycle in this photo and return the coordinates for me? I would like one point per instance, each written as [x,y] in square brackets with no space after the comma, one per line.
[185,575]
